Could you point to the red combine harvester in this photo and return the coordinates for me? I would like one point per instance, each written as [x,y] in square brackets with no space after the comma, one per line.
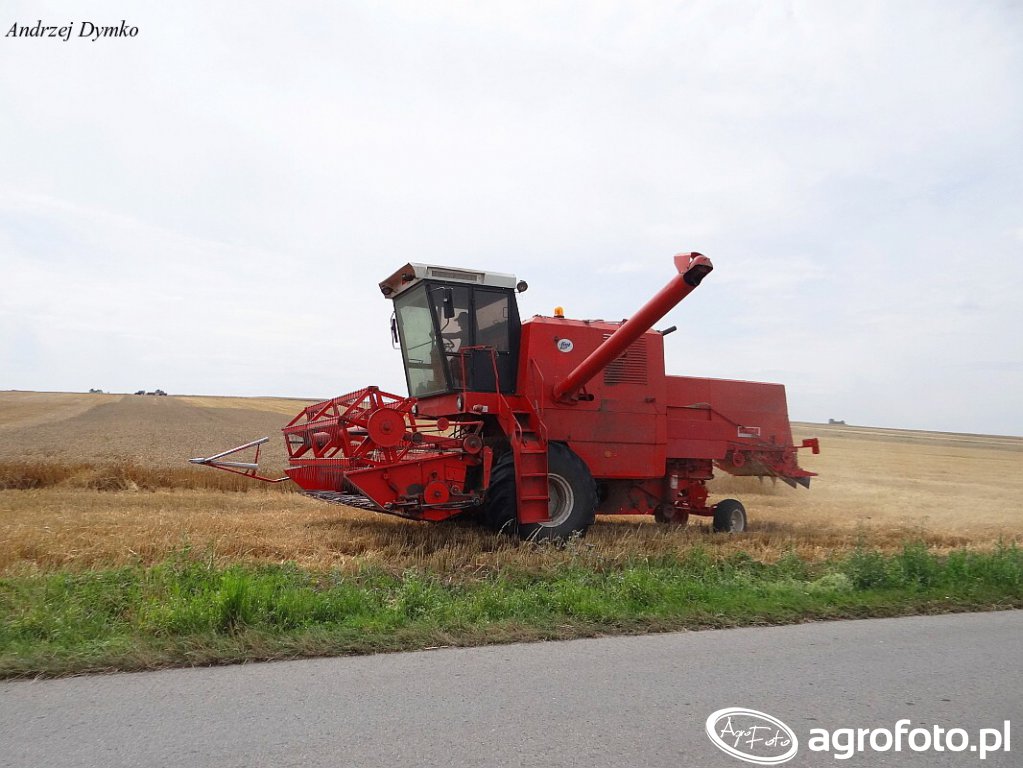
[537,425]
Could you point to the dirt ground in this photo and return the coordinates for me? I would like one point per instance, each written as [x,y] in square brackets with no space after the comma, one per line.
[879,487]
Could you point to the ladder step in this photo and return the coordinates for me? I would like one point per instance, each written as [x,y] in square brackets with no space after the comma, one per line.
[534,498]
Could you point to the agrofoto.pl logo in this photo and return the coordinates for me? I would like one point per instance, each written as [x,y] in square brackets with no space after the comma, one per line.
[762,739]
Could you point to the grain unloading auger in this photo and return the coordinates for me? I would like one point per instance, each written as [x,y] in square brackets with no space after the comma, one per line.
[537,425]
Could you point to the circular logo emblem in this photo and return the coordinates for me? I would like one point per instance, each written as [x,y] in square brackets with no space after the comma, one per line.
[565,345]
[752,736]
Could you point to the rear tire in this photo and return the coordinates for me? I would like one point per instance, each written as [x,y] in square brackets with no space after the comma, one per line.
[729,516]
[572,491]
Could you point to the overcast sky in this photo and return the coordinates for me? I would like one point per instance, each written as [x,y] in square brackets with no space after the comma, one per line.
[207,207]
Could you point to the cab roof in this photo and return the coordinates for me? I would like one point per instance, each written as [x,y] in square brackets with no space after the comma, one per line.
[414,273]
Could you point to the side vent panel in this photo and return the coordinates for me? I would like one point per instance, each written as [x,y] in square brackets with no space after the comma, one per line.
[630,367]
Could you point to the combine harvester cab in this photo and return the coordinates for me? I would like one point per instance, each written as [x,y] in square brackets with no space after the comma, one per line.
[538,425]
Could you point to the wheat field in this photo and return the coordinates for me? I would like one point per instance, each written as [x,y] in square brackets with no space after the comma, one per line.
[115,489]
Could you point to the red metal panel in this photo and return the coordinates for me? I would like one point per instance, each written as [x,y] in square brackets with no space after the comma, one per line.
[557,345]
[618,426]
[705,416]
[742,426]
[406,481]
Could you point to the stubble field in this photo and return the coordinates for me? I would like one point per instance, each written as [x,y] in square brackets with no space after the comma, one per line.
[113,487]
[117,554]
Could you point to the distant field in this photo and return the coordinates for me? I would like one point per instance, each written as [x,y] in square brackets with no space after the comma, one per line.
[29,409]
[148,430]
[876,487]
[287,406]
[965,487]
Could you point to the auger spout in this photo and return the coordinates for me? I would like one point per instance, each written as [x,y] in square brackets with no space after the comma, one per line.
[692,268]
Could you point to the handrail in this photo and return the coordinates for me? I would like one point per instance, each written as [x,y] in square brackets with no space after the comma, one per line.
[538,393]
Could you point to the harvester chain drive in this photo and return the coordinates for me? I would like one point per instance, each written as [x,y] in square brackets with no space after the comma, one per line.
[348,499]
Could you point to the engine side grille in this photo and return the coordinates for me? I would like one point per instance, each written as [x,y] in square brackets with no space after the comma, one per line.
[630,367]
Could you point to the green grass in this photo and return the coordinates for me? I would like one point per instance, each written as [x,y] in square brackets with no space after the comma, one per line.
[183,612]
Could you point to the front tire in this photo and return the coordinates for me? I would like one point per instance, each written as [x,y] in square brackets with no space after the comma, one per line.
[499,509]
[572,491]
[729,516]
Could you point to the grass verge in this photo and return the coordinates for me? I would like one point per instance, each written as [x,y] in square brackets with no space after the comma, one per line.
[186,612]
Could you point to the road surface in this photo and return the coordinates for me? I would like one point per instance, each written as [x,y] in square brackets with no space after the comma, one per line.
[620,701]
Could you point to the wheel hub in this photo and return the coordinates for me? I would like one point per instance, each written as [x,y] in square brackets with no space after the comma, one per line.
[561,502]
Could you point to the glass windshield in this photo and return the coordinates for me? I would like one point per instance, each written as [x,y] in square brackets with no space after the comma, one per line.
[424,365]
[441,344]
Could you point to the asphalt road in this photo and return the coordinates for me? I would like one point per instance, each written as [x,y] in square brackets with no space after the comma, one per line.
[624,701]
